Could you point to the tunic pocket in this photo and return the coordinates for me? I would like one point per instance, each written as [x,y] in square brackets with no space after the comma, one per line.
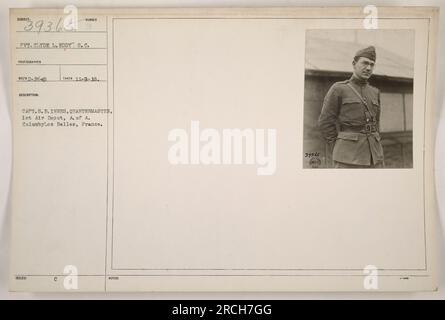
[351,136]
[352,110]
[349,100]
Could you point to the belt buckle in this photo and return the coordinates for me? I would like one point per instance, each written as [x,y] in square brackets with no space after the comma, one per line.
[370,128]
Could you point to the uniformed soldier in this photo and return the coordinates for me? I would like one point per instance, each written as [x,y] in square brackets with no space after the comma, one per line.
[350,117]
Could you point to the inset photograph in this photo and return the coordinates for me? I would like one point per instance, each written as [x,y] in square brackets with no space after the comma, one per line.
[358,99]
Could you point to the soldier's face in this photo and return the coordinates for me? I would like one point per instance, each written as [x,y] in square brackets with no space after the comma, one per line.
[363,67]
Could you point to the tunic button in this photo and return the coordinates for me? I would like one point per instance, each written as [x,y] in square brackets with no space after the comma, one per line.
[367,120]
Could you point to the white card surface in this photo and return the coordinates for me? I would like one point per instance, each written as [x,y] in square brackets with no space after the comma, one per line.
[179,150]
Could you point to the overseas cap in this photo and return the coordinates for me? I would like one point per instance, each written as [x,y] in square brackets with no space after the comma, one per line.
[368,52]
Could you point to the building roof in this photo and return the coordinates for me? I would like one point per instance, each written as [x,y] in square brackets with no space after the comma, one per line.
[336,56]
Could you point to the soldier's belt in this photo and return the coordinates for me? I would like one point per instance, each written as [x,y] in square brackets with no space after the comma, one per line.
[366,128]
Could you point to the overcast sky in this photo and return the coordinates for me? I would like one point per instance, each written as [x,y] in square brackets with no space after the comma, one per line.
[400,42]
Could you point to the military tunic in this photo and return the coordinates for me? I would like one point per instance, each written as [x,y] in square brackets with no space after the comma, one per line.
[350,120]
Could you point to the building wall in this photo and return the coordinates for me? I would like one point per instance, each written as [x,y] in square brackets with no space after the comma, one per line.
[395,122]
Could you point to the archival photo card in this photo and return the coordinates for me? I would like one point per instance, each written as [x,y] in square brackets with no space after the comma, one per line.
[176,149]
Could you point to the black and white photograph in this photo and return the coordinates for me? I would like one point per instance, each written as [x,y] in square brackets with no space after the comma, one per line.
[358,99]
[156,150]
